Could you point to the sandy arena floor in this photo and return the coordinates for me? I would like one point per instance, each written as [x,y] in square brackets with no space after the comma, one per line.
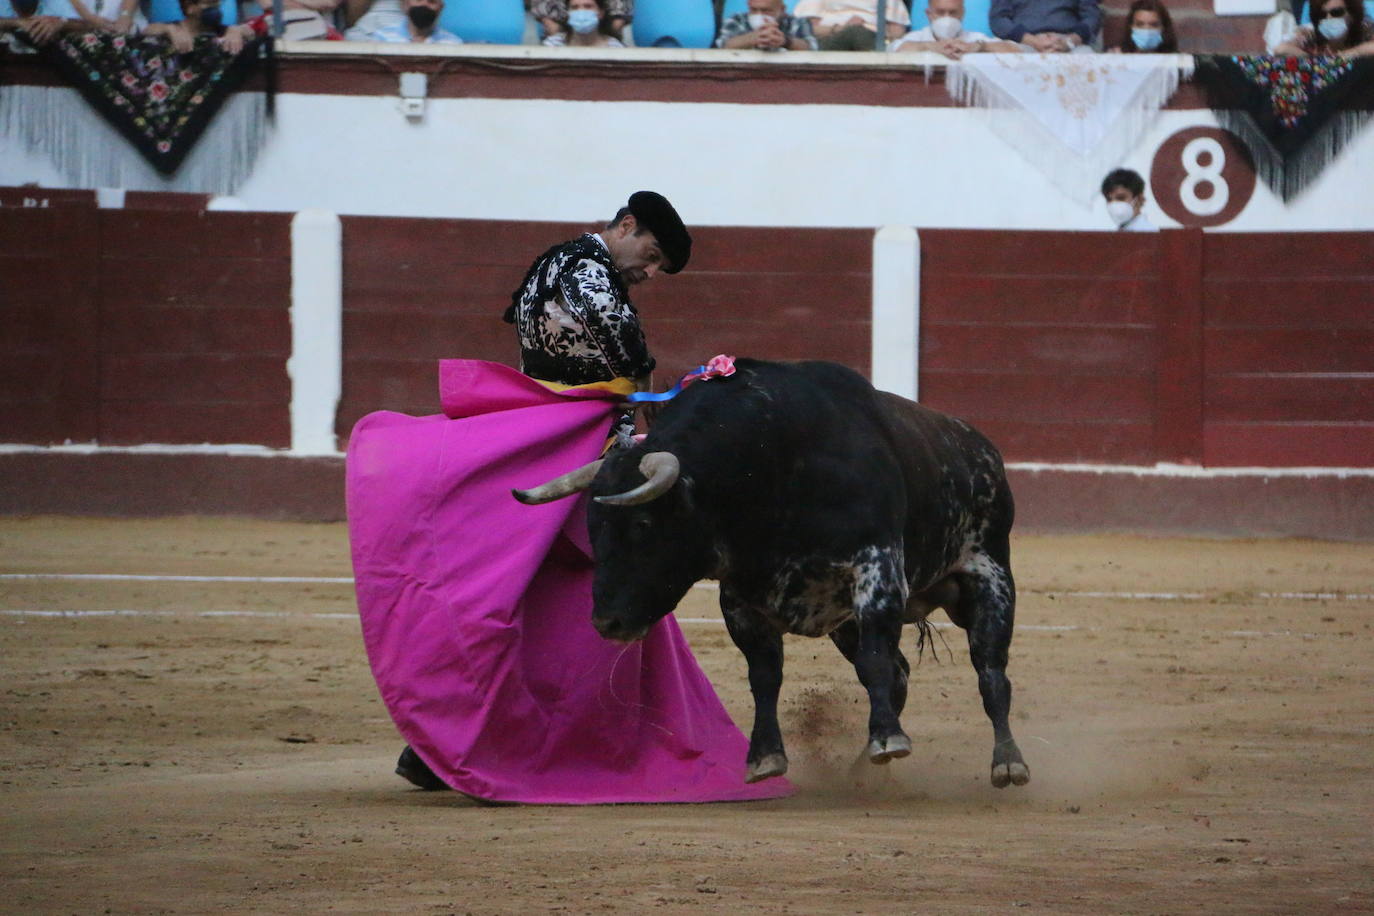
[1202,748]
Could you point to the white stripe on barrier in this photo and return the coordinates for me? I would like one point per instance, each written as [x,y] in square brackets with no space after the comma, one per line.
[1163,469]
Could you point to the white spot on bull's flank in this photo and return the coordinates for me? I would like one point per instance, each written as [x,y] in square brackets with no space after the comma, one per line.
[814,595]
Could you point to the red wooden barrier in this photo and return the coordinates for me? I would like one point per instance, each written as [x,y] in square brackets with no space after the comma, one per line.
[1209,349]
[1288,349]
[129,326]
[1044,340]
[420,290]
[49,350]
[134,326]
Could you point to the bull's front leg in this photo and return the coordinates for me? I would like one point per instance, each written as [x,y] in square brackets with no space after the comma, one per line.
[762,648]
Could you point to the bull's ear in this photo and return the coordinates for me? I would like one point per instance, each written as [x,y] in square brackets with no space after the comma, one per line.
[686,490]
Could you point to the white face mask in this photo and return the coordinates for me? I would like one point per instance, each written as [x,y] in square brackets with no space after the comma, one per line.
[759,20]
[583,22]
[1121,211]
[946,27]
[1334,29]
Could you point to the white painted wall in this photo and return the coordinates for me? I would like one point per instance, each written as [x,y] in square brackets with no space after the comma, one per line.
[763,165]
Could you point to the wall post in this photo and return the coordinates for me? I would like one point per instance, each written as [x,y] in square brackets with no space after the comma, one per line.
[316,363]
[897,310]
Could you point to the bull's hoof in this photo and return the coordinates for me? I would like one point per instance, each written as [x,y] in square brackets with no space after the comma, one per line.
[766,768]
[889,748]
[1010,774]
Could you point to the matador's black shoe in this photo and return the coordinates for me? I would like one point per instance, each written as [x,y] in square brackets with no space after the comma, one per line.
[414,770]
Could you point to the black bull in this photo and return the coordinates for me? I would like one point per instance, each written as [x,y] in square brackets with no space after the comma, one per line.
[824,507]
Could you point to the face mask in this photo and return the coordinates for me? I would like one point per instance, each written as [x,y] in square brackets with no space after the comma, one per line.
[583,21]
[1147,39]
[946,27]
[1121,211]
[1333,29]
[212,19]
[422,17]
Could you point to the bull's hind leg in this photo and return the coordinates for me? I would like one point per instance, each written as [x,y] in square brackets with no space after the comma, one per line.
[762,648]
[987,610]
[846,639]
[879,599]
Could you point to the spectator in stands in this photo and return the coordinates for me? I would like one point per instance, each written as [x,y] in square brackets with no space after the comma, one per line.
[1047,26]
[553,15]
[421,25]
[363,17]
[302,20]
[123,16]
[766,26]
[39,21]
[1339,27]
[1149,30]
[1124,191]
[851,25]
[946,34]
[588,26]
[201,17]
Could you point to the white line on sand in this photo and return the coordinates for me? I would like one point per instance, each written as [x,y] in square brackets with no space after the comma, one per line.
[135,612]
[704,586]
[1031,627]
[122,577]
[690,621]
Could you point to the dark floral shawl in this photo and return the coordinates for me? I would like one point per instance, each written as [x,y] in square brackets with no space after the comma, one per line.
[1294,113]
[160,100]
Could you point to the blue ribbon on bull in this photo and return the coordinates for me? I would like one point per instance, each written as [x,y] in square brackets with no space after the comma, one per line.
[720,366]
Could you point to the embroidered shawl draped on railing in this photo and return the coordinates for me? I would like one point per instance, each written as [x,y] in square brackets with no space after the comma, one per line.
[1075,117]
[1294,113]
[160,101]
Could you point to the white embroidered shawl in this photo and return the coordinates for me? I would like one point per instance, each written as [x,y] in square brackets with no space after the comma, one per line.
[1073,116]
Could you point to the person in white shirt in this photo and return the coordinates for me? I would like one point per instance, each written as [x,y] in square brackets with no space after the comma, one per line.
[946,34]
[122,16]
[589,25]
[40,21]
[851,25]
[420,26]
[1124,191]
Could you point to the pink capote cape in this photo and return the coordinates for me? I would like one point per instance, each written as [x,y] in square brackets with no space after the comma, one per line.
[476,610]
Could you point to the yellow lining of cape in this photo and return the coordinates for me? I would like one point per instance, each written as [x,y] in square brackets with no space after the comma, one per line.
[622,386]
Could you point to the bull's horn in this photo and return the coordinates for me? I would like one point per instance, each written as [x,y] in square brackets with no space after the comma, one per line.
[661,469]
[570,483]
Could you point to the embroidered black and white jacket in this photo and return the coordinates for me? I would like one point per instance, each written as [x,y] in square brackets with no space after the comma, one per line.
[574,319]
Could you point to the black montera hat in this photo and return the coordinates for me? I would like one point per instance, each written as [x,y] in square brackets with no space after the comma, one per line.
[652,211]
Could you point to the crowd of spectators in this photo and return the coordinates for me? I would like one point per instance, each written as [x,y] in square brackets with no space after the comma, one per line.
[1044,26]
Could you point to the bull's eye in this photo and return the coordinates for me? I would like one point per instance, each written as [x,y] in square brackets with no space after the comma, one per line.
[644,523]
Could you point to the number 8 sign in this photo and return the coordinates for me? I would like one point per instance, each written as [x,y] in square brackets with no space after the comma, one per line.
[1202,176]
